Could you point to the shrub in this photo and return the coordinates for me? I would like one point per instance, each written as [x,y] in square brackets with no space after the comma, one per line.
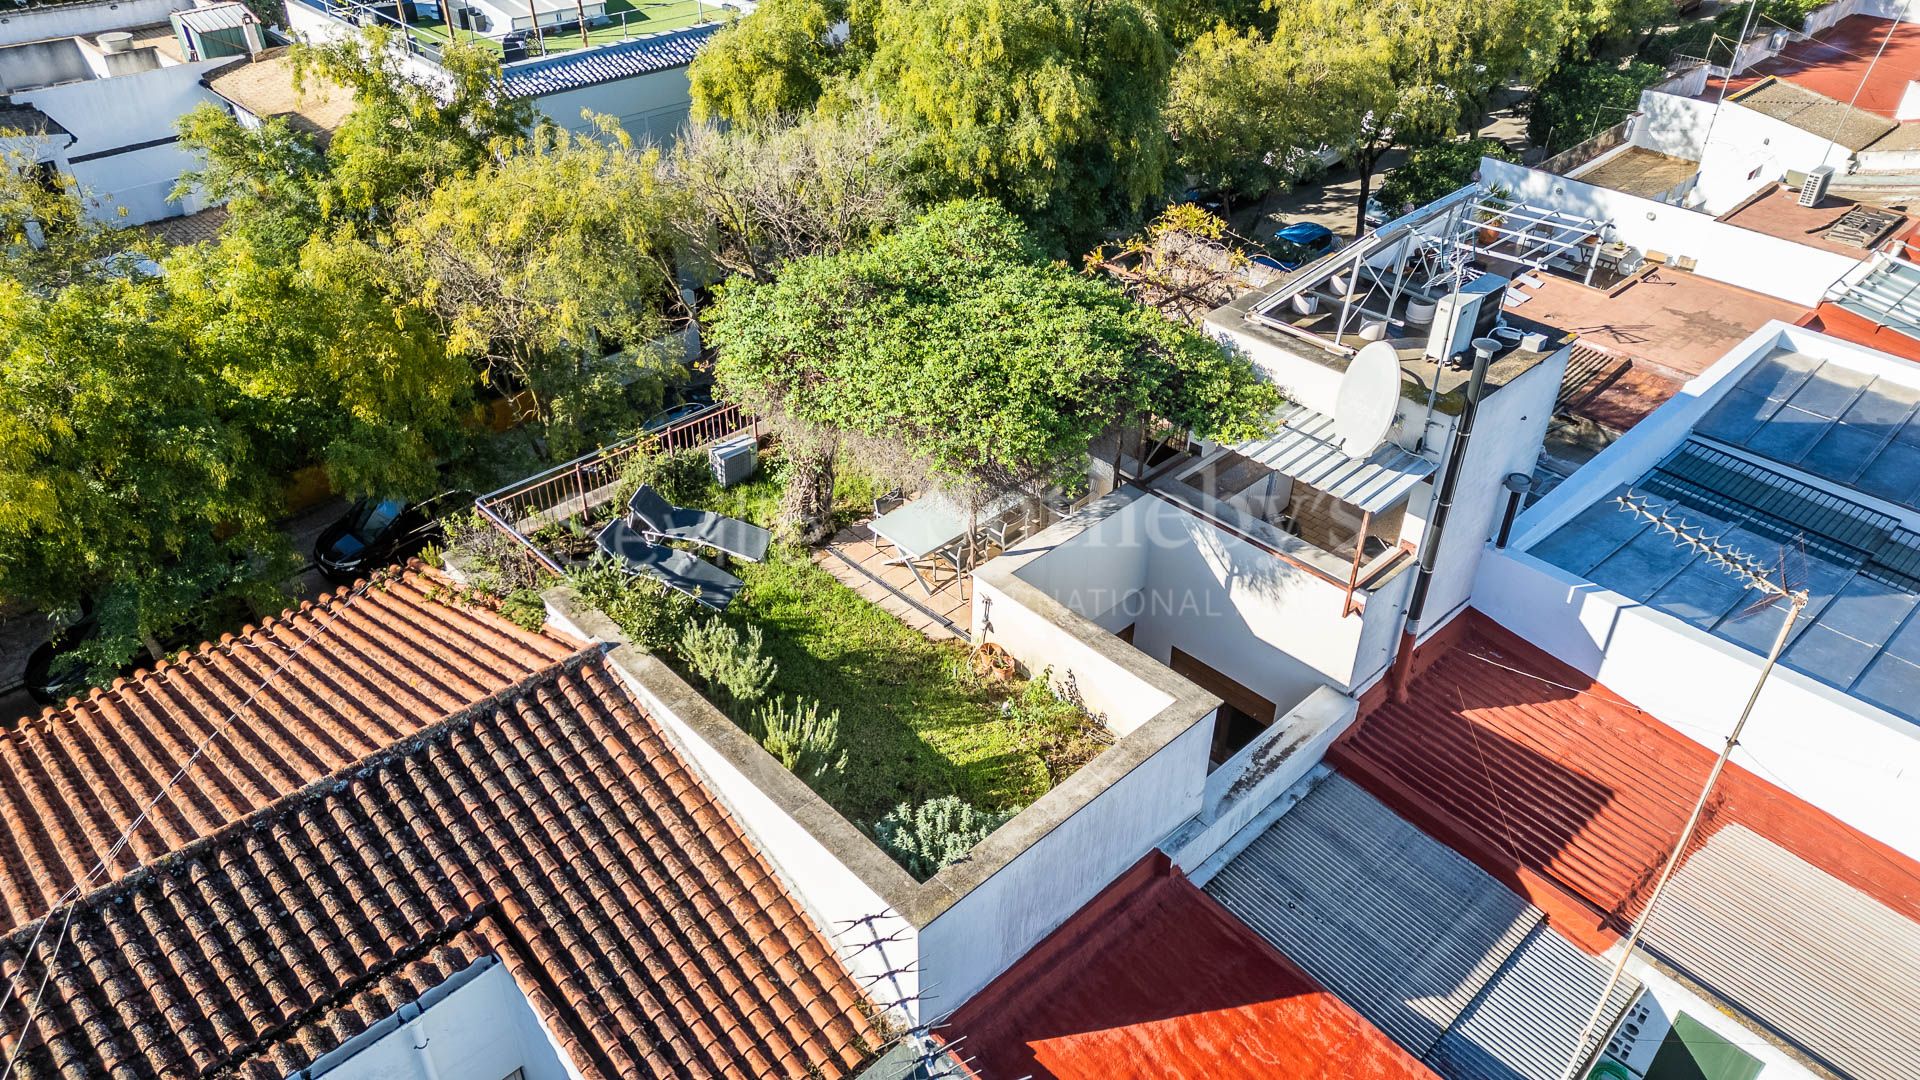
[935,833]
[497,563]
[525,608]
[1436,169]
[680,476]
[653,617]
[801,739]
[1054,727]
[732,665]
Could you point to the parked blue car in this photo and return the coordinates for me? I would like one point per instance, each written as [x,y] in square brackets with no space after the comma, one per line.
[1299,244]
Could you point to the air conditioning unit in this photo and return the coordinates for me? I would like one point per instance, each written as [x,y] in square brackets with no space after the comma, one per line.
[1814,187]
[1461,316]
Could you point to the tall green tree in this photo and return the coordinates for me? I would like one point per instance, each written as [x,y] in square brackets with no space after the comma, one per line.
[744,200]
[131,475]
[958,340]
[1433,63]
[405,136]
[1245,108]
[551,270]
[1051,106]
[773,65]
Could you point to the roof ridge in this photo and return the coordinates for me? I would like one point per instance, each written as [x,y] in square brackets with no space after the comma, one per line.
[325,786]
[437,587]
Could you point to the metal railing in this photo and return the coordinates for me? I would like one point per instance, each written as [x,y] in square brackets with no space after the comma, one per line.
[573,489]
[542,39]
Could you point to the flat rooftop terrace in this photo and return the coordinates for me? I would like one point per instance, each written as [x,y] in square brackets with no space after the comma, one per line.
[1777,212]
[1636,170]
[1670,324]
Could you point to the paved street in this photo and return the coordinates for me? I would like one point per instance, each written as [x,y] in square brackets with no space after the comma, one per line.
[1331,201]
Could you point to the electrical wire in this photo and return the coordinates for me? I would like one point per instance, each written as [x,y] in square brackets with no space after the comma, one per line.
[71,897]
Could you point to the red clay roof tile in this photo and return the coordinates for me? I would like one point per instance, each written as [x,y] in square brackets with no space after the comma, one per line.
[552,826]
[387,659]
[1566,792]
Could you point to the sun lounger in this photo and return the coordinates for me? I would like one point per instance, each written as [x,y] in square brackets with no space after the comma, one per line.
[677,570]
[656,517]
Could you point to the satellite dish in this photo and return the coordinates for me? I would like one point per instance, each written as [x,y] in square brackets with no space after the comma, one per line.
[1368,401]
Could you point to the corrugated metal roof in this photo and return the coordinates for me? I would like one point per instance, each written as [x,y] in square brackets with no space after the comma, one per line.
[1453,965]
[1306,449]
[1821,963]
[1525,1023]
[206,20]
[1561,789]
[605,63]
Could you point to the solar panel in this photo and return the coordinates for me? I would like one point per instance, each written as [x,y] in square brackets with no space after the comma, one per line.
[1860,629]
[1828,419]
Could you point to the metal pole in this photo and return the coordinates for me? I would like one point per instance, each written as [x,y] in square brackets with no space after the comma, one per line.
[1796,601]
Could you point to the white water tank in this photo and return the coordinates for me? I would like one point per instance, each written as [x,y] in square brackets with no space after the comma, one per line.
[115,41]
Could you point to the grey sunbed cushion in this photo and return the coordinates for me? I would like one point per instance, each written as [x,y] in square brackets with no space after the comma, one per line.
[655,516]
[678,570]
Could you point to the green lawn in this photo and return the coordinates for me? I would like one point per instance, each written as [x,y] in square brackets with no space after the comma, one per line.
[912,721]
[626,20]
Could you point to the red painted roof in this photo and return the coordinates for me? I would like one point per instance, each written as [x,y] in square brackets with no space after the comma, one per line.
[1566,792]
[553,826]
[1153,978]
[363,668]
[1834,62]
[1847,326]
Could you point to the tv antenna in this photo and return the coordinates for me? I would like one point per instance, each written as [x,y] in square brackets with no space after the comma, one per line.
[1756,575]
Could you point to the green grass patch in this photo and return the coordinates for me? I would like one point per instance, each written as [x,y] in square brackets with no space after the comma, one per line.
[913,721]
[625,22]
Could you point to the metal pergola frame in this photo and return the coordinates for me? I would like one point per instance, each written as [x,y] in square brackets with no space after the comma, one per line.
[1439,258]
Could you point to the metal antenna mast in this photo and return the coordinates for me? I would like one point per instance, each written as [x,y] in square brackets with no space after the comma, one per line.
[1756,576]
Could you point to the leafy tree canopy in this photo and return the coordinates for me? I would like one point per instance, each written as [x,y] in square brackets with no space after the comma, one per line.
[772,66]
[1051,106]
[956,338]
[1241,104]
[1435,169]
[549,269]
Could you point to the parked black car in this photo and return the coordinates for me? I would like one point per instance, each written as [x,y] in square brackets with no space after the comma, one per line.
[48,681]
[377,532]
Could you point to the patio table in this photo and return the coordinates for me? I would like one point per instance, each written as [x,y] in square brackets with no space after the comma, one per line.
[932,526]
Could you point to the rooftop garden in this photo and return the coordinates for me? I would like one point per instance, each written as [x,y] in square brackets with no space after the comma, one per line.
[902,734]
[983,369]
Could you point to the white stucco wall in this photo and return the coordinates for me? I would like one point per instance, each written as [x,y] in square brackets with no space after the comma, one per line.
[120,114]
[1507,434]
[1855,761]
[1120,698]
[1748,150]
[649,107]
[67,20]
[1651,1017]
[1742,257]
[995,924]
[483,1030]
[1672,123]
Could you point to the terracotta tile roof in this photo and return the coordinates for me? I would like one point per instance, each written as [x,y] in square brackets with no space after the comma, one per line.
[1570,795]
[1153,978]
[386,660]
[552,826]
